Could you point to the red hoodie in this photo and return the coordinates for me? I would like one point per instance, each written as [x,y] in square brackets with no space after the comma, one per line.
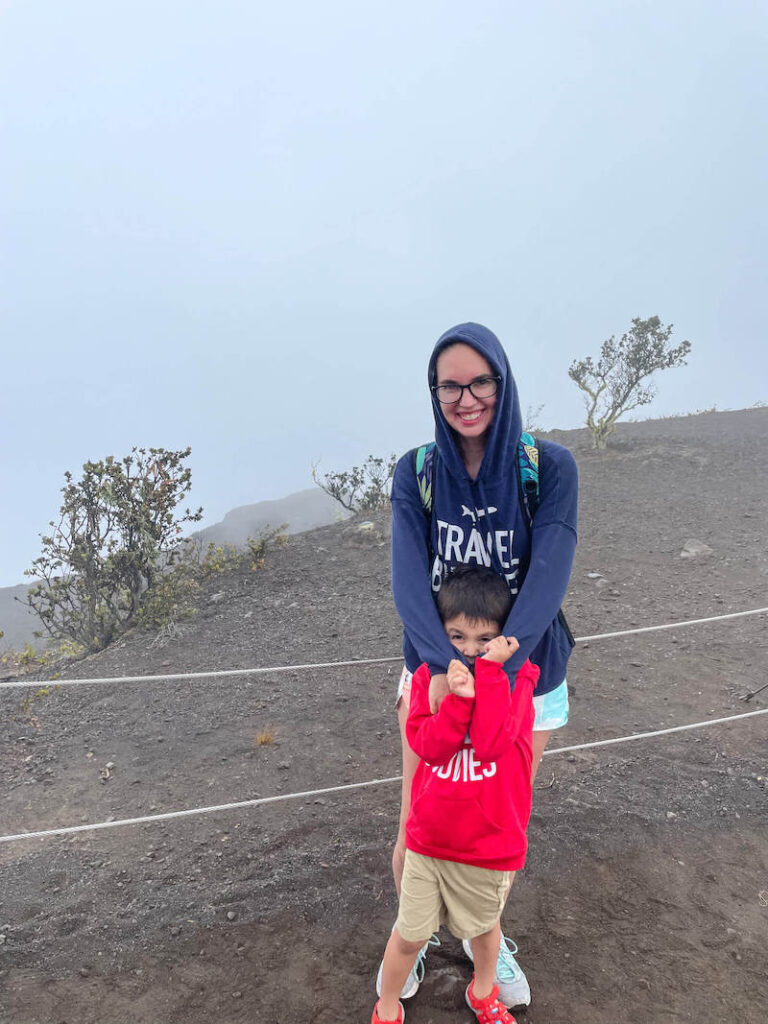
[471,794]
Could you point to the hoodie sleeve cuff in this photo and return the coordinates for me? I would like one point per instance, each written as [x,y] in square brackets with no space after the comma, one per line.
[457,709]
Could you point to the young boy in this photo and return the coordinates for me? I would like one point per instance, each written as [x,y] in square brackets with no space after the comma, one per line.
[470,799]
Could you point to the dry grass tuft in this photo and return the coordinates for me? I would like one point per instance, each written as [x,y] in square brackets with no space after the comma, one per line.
[266,736]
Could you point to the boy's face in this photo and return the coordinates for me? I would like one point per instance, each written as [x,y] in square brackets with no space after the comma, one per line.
[470,635]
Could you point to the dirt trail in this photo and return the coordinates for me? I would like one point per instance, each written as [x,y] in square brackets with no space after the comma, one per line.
[645,897]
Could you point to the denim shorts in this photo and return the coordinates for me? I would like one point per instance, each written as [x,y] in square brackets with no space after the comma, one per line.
[551,709]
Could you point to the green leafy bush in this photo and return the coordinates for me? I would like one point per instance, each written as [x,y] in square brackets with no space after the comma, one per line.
[118,534]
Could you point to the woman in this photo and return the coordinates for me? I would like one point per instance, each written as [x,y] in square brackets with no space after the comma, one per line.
[478,516]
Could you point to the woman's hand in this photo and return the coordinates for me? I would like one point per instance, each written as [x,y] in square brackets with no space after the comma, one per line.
[438,691]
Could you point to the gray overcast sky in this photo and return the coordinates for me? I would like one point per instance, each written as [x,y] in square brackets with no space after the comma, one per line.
[242,226]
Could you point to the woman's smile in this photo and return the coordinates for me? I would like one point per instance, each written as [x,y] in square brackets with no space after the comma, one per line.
[470,417]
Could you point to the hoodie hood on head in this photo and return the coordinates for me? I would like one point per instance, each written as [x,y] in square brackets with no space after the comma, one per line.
[482,522]
[501,444]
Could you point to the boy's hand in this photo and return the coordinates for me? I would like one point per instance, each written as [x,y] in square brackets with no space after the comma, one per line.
[460,679]
[501,649]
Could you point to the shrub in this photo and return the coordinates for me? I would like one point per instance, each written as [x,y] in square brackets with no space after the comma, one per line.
[614,384]
[258,545]
[28,659]
[174,593]
[172,596]
[266,736]
[531,422]
[220,558]
[118,532]
[363,488]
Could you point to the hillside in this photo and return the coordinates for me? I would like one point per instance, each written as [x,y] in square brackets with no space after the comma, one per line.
[640,900]
[301,511]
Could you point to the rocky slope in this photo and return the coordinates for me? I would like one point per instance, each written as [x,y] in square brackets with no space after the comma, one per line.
[645,890]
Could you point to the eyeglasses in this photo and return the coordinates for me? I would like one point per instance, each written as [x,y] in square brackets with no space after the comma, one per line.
[480,387]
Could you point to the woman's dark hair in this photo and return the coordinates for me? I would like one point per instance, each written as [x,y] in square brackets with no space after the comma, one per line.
[476,592]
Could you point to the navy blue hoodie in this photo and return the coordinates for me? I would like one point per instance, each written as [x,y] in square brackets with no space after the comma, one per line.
[481,521]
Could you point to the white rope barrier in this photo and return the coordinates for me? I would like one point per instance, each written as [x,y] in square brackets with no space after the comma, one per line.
[223,673]
[671,625]
[658,732]
[73,829]
[193,676]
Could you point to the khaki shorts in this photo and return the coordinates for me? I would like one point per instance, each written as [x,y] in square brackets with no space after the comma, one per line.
[469,900]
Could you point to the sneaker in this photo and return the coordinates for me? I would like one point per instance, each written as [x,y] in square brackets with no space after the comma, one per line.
[512,983]
[376,1019]
[415,978]
[489,1010]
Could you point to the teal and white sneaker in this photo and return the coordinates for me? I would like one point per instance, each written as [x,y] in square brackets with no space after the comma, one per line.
[415,978]
[514,989]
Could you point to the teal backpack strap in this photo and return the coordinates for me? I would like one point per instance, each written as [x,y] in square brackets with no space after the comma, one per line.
[527,469]
[528,475]
[528,479]
[423,459]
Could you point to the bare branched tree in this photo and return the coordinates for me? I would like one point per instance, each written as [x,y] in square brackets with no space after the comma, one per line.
[531,420]
[614,384]
[363,488]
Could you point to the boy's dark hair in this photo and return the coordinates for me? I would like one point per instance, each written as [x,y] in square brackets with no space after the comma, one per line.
[476,592]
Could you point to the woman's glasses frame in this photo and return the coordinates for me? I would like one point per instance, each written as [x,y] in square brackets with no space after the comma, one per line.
[485,381]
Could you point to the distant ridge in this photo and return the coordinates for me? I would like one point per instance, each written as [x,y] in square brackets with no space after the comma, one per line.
[303,510]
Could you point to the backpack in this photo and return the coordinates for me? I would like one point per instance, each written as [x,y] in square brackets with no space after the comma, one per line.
[527,466]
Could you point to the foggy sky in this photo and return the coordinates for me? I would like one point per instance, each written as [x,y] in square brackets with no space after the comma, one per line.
[242,227]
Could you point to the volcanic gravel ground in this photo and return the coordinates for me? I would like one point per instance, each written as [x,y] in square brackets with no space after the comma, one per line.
[645,895]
